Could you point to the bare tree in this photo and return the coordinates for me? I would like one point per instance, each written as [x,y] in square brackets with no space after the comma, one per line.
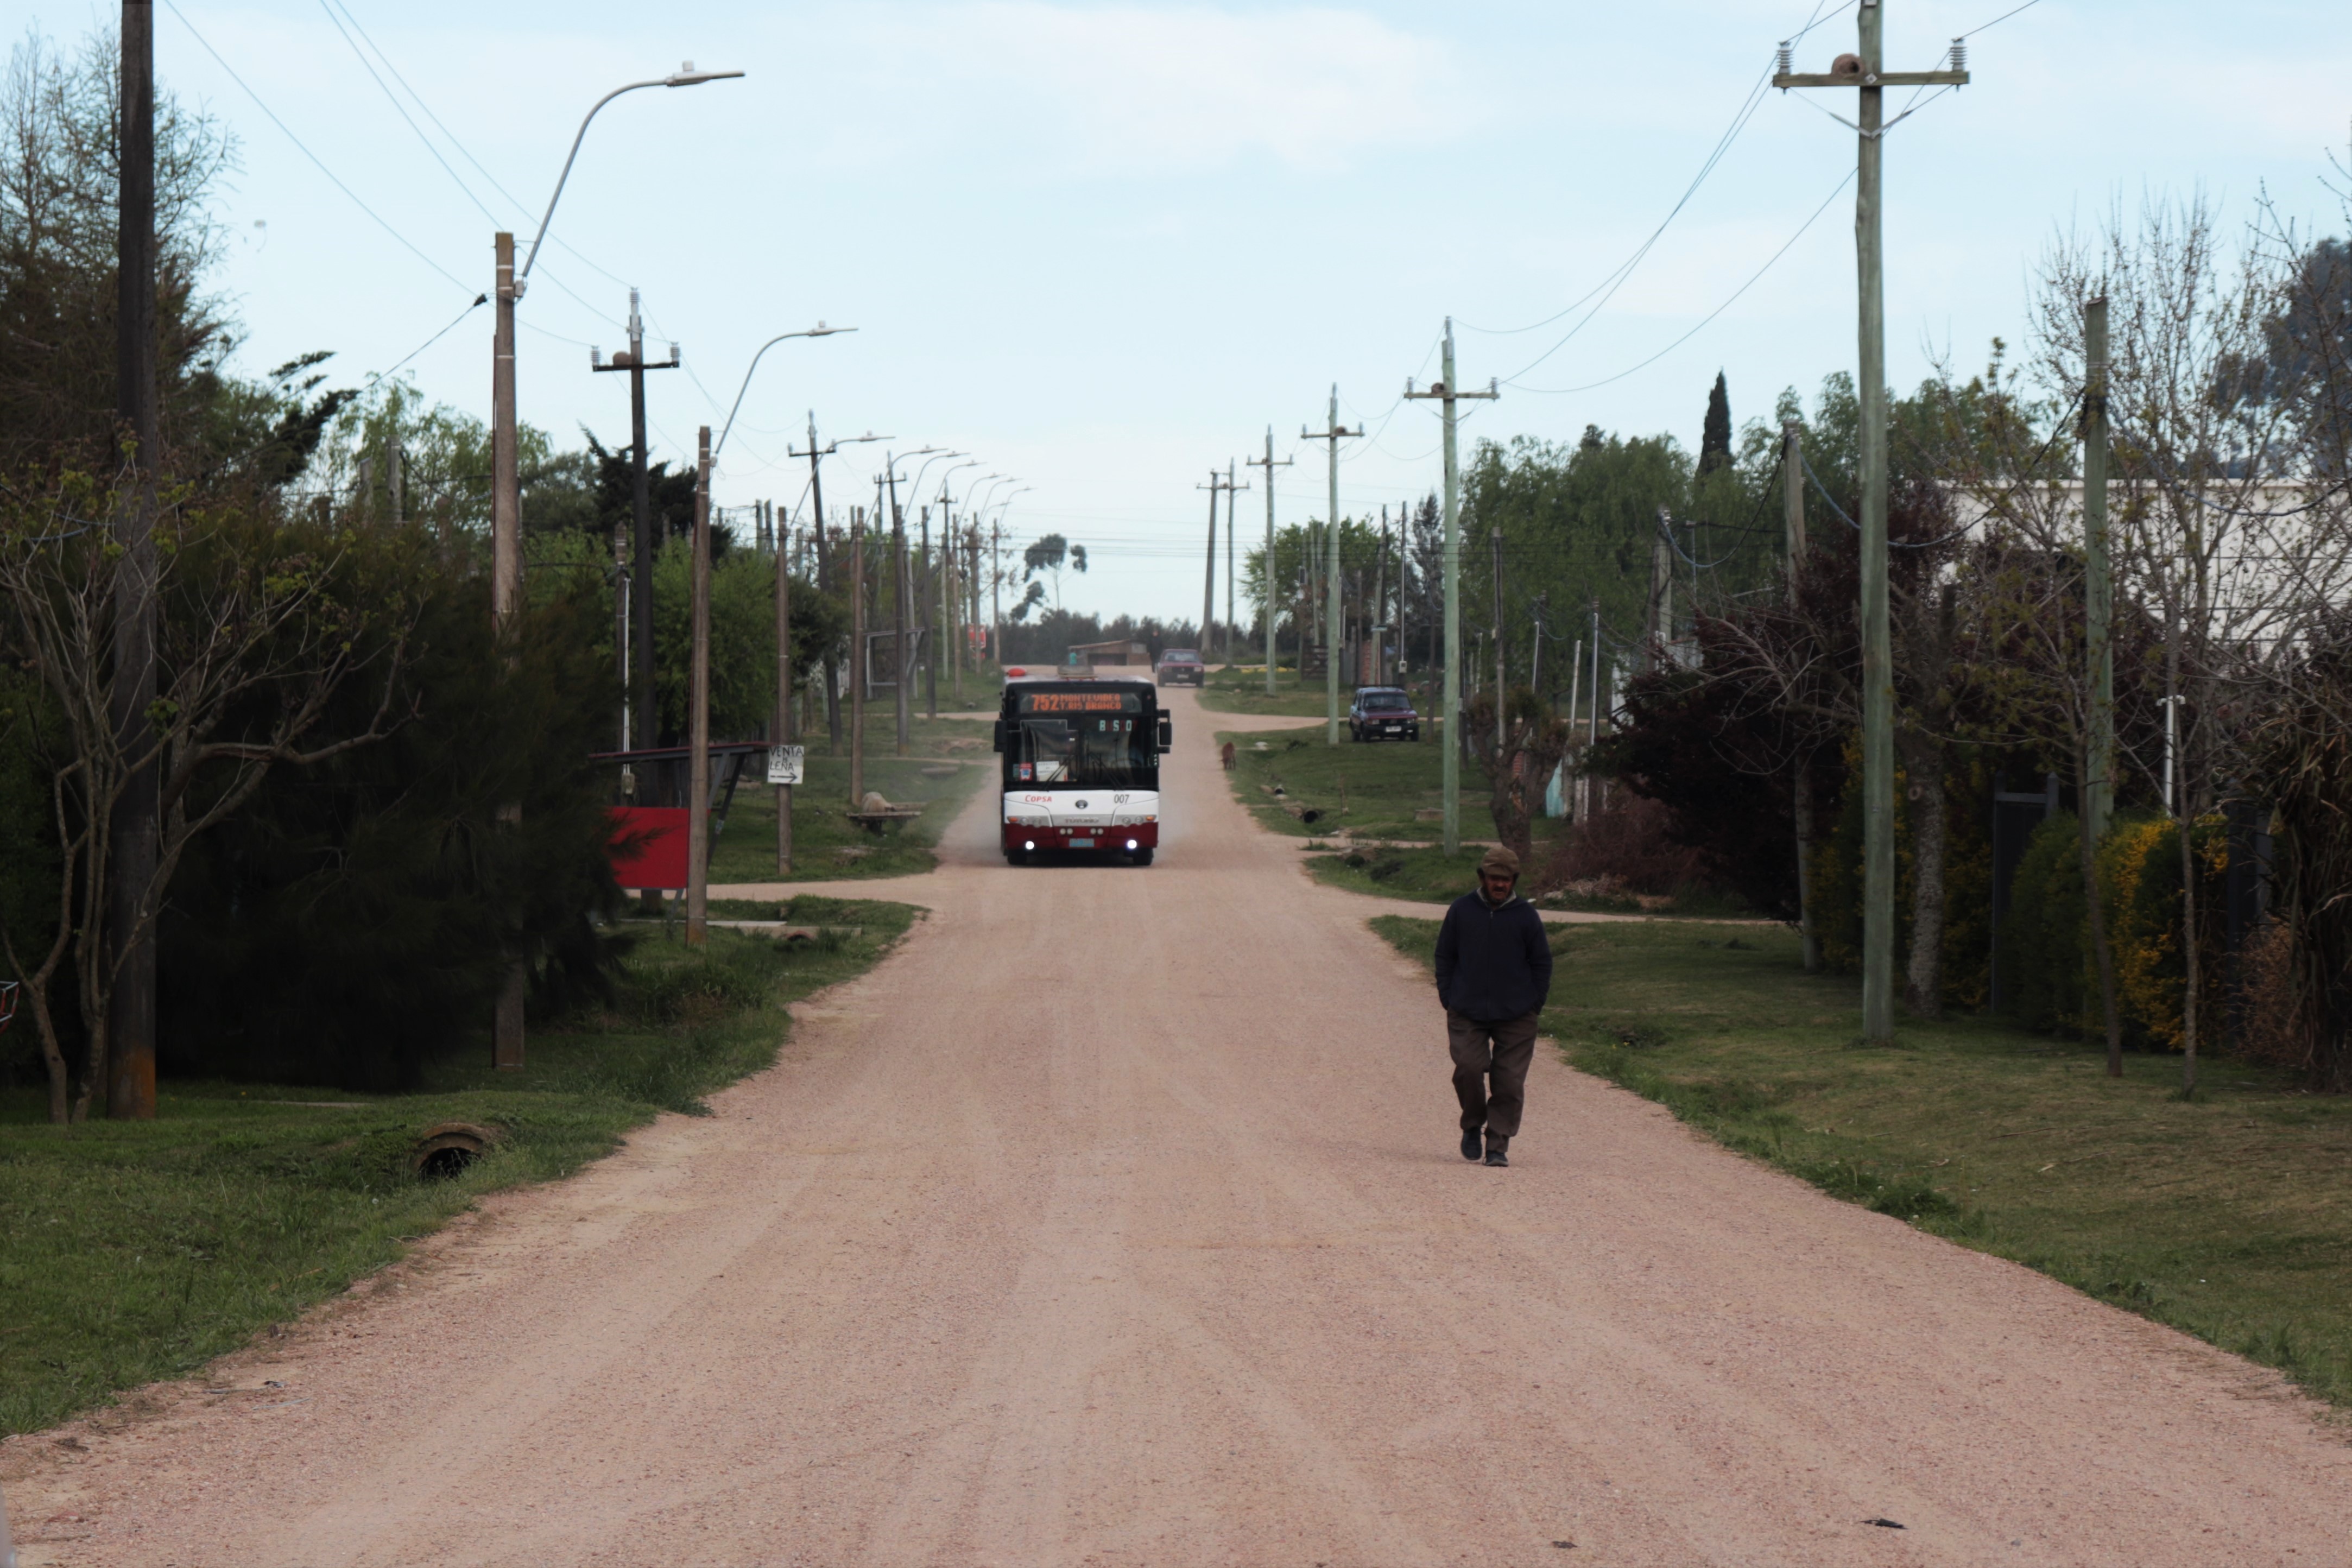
[263,625]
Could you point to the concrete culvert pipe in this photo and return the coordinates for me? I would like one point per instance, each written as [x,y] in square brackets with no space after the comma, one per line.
[447,1148]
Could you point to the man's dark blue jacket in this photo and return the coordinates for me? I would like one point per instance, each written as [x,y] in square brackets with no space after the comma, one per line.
[1493,961]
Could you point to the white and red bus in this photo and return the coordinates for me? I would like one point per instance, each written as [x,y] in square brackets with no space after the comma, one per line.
[1081,758]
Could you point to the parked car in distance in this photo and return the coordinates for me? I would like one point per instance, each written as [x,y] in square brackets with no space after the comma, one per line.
[1181,667]
[1382,713]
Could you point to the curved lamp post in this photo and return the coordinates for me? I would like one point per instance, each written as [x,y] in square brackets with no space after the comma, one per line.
[819,330]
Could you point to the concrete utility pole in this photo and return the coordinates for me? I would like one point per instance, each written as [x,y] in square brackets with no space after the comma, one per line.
[898,672]
[1861,71]
[814,455]
[2098,581]
[131,830]
[1265,611]
[1380,605]
[1801,783]
[1232,605]
[780,730]
[1494,541]
[1209,580]
[506,595]
[642,547]
[1450,695]
[857,657]
[1333,433]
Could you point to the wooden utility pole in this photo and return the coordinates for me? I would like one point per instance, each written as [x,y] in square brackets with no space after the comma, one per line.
[1861,71]
[697,719]
[1333,435]
[2099,582]
[132,828]
[1801,783]
[1265,611]
[1450,696]
[1378,617]
[930,599]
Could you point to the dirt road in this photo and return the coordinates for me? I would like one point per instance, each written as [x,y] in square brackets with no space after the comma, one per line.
[1117,1220]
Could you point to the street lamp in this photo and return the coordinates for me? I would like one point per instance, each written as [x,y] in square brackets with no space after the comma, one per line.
[901,590]
[819,330]
[505,499]
[506,490]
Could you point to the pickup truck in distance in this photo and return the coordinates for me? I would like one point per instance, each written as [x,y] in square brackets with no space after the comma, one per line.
[1181,667]
[1382,713]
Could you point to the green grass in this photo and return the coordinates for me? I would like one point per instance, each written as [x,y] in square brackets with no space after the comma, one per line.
[823,838]
[1431,876]
[1369,790]
[133,1251]
[2228,1216]
[1243,691]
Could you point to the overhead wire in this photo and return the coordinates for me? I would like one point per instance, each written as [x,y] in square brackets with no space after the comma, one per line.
[405,242]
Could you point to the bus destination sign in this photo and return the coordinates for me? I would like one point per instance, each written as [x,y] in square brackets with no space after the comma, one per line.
[1080,703]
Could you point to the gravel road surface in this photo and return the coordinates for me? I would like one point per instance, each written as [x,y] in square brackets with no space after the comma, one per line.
[1117,1220]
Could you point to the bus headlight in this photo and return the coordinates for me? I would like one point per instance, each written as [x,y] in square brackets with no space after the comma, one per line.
[1029,845]
[1130,843]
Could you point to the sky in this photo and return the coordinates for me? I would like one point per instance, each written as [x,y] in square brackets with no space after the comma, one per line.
[1104,248]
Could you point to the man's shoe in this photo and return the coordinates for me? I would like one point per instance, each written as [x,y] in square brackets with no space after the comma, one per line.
[1472,1144]
[1497,1157]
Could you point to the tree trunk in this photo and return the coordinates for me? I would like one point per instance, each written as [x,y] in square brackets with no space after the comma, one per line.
[1923,985]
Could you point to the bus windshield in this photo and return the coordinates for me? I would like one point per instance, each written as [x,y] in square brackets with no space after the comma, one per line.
[1097,750]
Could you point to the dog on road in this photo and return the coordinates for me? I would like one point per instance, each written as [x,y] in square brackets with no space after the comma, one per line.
[1226,752]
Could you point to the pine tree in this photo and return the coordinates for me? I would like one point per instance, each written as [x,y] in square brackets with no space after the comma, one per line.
[1715,439]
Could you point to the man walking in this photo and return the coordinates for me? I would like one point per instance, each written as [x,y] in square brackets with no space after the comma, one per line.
[1494,970]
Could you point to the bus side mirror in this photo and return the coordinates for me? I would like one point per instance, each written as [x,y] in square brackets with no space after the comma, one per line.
[996,737]
[1167,734]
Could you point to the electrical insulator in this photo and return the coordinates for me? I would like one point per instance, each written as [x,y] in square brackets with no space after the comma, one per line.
[1785,53]
[1960,54]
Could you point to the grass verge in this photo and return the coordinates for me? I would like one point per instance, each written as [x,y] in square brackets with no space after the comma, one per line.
[2228,1216]
[1427,873]
[827,846]
[1378,789]
[133,1251]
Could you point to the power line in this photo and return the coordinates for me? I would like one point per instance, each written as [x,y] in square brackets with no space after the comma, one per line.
[306,152]
[479,301]
[1711,315]
[462,151]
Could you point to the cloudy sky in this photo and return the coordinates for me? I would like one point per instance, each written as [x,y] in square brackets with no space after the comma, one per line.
[1103,247]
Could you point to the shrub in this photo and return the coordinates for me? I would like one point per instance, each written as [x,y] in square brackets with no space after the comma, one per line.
[1629,846]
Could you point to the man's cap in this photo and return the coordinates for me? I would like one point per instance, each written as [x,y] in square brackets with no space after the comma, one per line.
[1499,859]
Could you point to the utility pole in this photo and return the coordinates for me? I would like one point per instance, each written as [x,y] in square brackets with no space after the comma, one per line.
[815,455]
[856,658]
[698,716]
[996,589]
[132,827]
[1877,644]
[1265,611]
[1658,628]
[1450,695]
[1592,724]
[505,598]
[2098,583]
[1233,607]
[642,545]
[930,634]
[1380,605]
[1495,541]
[1209,582]
[1333,433]
[779,732]
[1801,783]
[621,635]
[901,677]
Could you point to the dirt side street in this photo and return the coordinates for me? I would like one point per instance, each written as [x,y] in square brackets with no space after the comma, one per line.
[1116,1219]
